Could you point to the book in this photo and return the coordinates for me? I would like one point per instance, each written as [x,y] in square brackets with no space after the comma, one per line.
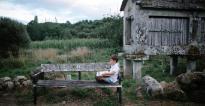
[100,73]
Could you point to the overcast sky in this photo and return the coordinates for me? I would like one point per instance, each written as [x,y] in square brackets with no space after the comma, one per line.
[64,10]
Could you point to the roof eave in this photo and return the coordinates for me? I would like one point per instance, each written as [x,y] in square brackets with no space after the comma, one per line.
[124,2]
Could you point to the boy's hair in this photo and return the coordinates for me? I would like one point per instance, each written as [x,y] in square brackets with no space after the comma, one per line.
[114,57]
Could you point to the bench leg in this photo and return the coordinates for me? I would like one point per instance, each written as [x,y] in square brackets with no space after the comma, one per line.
[34,94]
[44,90]
[119,90]
[79,75]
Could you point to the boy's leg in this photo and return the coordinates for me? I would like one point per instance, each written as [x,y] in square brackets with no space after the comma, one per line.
[108,80]
[100,79]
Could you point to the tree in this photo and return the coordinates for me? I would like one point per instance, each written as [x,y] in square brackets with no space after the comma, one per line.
[107,28]
[112,29]
[34,30]
[13,36]
[36,19]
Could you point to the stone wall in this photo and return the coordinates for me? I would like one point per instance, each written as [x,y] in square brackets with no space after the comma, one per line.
[7,83]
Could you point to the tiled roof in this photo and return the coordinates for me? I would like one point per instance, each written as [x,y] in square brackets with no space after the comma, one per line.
[170,4]
[174,4]
[124,2]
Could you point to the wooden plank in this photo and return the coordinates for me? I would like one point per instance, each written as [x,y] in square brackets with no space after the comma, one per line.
[203,30]
[75,67]
[167,31]
[74,83]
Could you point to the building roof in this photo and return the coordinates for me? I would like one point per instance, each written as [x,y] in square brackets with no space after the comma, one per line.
[174,4]
[124,2]
[170,4]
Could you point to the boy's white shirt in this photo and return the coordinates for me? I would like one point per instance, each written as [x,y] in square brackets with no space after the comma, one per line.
[115,69]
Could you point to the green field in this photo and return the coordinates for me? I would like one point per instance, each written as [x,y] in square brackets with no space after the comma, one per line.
[57,51]
[77,51]
[72,44]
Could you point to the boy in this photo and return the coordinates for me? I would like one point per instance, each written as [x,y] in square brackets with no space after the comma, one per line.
[110,76]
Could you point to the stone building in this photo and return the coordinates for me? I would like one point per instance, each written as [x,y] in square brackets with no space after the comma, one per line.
[162,27]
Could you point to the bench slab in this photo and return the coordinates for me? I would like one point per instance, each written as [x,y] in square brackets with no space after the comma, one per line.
[74,83]
[75,67]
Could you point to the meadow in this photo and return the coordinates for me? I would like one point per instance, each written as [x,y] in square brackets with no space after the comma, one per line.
[78,51]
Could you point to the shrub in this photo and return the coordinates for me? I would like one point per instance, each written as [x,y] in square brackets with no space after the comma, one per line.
[13,36]
[12,62]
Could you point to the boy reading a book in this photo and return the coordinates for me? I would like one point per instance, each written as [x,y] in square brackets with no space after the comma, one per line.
[110,76]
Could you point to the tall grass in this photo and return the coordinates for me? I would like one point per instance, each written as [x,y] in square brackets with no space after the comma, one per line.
[157,67]
[40,54]
[72,44]
[57,52]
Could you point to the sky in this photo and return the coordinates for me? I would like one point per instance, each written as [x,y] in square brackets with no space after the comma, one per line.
[60,10]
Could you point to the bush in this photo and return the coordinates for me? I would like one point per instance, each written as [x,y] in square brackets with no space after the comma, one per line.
[12,63]
[13,36]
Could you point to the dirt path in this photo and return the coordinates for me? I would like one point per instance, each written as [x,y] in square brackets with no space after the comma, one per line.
[11,101]
[8,99]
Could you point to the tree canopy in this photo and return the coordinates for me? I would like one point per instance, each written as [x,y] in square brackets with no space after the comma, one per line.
[13,36]
[107,28]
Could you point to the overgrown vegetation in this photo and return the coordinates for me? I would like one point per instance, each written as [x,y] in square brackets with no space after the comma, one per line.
[83,42]
[13,37]
[100,29]
[61,51]
[72,44]
[158,68]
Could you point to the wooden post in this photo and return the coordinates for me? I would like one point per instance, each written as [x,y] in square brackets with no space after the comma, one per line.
[79,75]
[43,75]
[173,64]
[43,78]
[34,81]
[119,90]
[120,95]
[34,94]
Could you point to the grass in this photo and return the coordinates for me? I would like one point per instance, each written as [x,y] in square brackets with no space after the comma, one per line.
[72,44]
[18,66]
[12,70]
[129,87]
[79,51]
[158,68]
[57,52]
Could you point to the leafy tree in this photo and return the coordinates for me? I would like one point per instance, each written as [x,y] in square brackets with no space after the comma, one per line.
[13,36]
[107,28]
[36,19]
[34,29]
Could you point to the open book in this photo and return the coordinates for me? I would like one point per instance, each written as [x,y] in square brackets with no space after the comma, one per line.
[100,73]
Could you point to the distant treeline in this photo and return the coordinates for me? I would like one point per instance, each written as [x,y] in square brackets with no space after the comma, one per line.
[15,35]
[107,28]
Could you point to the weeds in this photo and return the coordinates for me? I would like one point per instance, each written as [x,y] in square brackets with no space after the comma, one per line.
[157,67]
[129,87]
[44,54]
[72,44]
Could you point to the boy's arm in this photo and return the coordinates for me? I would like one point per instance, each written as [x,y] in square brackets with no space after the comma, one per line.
[107,74]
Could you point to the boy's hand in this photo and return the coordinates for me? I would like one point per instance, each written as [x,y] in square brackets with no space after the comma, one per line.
[108,74]
[105,75]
